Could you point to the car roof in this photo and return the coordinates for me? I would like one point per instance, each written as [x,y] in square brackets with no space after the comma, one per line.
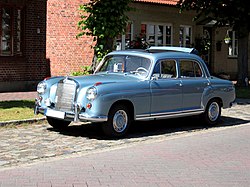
[157,53]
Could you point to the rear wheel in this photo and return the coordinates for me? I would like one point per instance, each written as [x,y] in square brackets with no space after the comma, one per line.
[119,120]
[57,123]
[213,112]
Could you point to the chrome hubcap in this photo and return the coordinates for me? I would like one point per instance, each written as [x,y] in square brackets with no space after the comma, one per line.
[213,111]
[120,121]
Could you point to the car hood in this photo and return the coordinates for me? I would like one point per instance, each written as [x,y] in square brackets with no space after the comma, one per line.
[107,78]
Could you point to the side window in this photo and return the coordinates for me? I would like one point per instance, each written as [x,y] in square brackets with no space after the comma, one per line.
[165,69]
[190,68]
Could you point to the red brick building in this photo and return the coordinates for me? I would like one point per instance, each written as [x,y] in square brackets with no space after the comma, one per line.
[22,44]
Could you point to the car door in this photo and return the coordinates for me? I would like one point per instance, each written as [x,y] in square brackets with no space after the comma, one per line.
[166,89]
[194,83]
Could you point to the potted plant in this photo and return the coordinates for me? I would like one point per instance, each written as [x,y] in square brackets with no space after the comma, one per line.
[227,40]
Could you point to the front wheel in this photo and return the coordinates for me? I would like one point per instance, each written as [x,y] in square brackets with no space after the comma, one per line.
[119,120]
[213,112]
[57,123]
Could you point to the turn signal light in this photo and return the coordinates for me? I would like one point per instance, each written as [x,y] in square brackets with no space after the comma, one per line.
[89,105]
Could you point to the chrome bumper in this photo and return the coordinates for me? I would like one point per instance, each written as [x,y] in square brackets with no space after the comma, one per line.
[70,116]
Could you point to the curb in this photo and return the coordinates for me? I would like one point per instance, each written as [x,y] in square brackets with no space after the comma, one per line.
[19,122]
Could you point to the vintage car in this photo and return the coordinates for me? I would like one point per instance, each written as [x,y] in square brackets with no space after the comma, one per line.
[127,86]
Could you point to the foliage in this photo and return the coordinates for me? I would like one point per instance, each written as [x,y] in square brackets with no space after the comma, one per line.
[139,43]
[233,13]
[104,20]
[86,70]
[242,92]
[202,45]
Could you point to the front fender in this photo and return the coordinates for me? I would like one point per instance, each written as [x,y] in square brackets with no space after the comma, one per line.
[140,99]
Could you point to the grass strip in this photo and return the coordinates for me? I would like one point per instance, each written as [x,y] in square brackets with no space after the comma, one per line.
[17,110]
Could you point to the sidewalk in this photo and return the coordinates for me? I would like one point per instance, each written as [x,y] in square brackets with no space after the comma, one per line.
[10,96]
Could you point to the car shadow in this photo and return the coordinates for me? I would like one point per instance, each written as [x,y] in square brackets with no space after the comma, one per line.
[148,128]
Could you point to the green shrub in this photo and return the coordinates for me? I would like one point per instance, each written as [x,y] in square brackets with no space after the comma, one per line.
[86,70]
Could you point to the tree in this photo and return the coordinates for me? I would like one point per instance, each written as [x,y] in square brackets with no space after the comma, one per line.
[233,13]
[104,20]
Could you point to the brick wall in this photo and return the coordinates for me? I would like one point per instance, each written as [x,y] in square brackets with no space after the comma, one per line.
[21,72]
[64,52]
[35,39]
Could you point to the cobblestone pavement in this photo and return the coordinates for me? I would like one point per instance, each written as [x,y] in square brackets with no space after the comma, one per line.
[31,143]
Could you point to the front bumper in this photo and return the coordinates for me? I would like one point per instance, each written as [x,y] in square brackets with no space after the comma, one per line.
[69,116]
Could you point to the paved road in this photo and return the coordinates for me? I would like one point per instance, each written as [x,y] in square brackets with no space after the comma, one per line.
[162,153]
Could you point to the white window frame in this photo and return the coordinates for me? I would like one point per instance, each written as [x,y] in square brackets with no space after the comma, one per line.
[156,25]
[4,43]
[233,45]
[182,43]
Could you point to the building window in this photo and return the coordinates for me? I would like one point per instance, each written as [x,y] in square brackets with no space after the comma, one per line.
[19,32]
[11,21]
[185,36]
[123,41]
[157,34]
[6,31]
[233,44]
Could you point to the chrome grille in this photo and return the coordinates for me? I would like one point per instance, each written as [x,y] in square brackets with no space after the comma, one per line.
[65,95]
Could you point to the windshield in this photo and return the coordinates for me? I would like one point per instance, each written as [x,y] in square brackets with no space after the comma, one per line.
[126,64]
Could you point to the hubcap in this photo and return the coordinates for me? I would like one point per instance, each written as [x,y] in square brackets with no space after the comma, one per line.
[213,111]
[120,121]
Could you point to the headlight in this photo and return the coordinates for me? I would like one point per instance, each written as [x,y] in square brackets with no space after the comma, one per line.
[91,93]
[41,87]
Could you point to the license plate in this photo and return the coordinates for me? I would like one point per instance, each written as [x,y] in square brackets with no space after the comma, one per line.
[55,114]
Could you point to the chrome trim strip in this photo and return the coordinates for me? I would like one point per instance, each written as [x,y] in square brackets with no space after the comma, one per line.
[177,112]
[169,115]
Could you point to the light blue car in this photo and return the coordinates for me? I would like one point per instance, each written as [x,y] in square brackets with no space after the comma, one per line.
[127,86]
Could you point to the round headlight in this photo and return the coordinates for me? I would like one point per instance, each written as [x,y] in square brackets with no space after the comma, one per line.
[91,93]
[41,87]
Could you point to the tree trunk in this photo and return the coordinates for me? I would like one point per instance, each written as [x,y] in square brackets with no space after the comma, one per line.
[243,60]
